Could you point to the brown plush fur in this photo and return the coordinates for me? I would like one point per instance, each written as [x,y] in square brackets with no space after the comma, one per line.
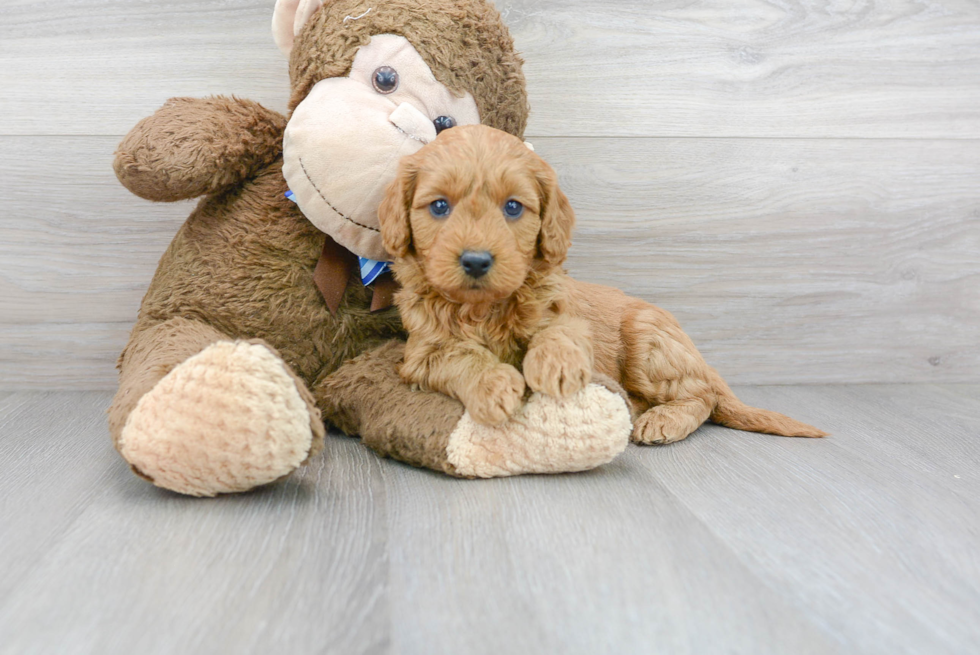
[460,41]
[241,267]
[152,353]
[473,337]
[174,163]
[411,426]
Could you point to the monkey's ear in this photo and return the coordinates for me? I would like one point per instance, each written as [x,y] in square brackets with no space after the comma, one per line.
[394,212]
[288,19]
[557,217]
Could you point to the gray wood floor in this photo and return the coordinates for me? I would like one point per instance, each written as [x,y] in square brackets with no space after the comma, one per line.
[866,542]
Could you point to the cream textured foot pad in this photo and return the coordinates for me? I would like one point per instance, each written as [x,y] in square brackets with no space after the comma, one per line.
[547,435]
[228,419]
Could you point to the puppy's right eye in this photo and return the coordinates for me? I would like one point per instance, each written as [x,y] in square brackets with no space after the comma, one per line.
[439,208]
[513,209]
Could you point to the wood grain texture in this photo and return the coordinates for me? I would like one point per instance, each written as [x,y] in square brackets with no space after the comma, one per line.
[297,567]
[864,542]
[606,561]
[48,468]
[787,260]
[75,245]
[709,68]
[85,67]
[884,530]
[72,355]
[849,255]
[790,68]
[791,260]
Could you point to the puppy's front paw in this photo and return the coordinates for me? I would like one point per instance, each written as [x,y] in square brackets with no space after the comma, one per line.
[497,395]
[557,368]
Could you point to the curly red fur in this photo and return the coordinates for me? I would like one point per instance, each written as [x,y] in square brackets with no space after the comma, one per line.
[480,338]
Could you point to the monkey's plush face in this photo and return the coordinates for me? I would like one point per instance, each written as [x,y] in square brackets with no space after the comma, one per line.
[343,141]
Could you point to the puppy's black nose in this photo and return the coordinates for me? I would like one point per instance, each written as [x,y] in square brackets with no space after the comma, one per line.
[476,264]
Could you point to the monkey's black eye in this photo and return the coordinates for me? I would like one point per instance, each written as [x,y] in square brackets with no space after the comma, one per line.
[513,209]
[385,80]
[444,123]
[439,208]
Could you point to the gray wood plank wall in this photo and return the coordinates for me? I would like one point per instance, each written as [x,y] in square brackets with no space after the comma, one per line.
[799,182]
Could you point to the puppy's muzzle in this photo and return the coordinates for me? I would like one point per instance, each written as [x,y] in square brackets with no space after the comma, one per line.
[476,264]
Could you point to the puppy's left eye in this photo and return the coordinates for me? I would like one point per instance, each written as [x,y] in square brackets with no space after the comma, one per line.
[513,209]
[439,208]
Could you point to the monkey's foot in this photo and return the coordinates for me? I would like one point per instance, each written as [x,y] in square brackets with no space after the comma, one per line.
[547,435]
[228,419]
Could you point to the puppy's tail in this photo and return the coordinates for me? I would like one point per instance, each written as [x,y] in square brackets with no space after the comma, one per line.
[733,413]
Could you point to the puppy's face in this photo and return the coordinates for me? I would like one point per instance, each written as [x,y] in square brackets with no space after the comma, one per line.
[476,210]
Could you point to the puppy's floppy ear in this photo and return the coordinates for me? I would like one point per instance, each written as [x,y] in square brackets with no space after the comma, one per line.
[395,209]
[557,217]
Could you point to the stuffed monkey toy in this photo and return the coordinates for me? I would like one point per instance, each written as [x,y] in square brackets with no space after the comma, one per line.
[270,312]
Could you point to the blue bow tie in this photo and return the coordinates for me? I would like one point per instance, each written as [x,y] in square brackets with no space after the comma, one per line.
[370,269]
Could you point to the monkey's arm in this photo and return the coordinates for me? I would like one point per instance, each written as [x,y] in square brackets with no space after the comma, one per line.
[196,146]
[425,428]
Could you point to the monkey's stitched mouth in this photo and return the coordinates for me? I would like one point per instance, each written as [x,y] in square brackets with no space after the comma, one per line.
[330,204]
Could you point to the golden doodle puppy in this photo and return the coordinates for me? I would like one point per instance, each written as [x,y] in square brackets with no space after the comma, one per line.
[479,230]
